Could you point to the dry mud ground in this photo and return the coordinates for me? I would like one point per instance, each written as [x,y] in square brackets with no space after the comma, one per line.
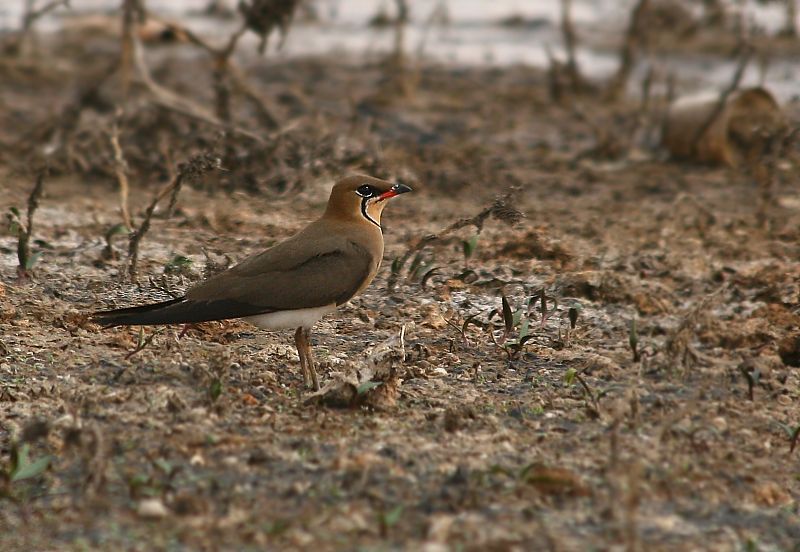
[203,442]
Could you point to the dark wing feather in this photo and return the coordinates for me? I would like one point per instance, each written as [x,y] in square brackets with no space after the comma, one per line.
[332,277]
[326,278]
[177,311]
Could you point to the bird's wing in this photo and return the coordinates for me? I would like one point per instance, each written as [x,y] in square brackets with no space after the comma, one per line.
[331,272]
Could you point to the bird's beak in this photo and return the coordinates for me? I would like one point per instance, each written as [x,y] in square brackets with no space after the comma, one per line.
[395,190]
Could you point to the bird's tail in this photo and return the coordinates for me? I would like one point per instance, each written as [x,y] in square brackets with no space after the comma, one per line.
[166,312]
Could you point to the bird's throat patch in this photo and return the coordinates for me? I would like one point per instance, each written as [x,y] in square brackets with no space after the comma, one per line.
[364,204]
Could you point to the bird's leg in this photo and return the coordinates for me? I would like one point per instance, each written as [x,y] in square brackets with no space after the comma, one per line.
[299,341]
[310,364]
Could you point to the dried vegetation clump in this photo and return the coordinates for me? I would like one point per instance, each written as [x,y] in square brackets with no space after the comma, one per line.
[573,342]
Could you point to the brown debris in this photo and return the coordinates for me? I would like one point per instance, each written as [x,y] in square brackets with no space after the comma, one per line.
[789,350]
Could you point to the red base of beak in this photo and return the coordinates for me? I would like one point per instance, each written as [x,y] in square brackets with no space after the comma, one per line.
[395,190]
[387,195]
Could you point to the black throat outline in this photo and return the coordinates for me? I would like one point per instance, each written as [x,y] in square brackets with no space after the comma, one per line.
[366,215]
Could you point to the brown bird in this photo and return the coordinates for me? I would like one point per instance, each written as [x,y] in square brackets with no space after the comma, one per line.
[294,283]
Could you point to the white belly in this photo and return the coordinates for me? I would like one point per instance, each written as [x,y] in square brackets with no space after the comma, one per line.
[290,319]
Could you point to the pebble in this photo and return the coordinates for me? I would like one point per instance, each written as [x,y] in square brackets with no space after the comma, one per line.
[720,424]
[197,460]
[152,508]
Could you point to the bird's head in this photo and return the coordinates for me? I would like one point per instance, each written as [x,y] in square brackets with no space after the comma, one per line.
[362,197]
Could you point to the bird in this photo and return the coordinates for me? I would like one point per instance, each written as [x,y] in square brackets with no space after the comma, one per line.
[293,284]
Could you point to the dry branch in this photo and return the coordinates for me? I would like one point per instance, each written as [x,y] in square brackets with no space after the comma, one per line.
[744,59]
[191,171]
[634,39]
[52,135]
[244,88]
[225,69]
[121,170]
[677,347]
[500,209]
[29,18]
[132,15]
[776,146]
[570,45]
[177,103]
[26,231]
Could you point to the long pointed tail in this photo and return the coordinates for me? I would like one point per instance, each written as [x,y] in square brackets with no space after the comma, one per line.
[166,312]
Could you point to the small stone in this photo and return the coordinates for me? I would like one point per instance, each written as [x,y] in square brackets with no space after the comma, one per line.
[152,508]
[230,461]
[438,372]
[720,424]
[197,460]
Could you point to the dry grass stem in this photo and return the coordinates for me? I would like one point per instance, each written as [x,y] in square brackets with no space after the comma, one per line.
[746,53]
[191,171]
[121,170]
[635,39]
[25,232]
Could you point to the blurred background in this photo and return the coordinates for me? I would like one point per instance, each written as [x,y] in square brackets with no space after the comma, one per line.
[475,32]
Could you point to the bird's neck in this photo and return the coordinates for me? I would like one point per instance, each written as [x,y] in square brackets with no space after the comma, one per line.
[367,214]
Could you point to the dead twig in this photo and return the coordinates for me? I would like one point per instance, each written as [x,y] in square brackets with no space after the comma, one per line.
[610,143]
[26,261]
[634,39]
[167,99]
[500,209]
[570,45]
[746,53]
[565,78]
[227,73]
[243,87]
[764,165]
[589,393]
[95,457]
[29,18]
[677,347]
[191,170]
[53,135]
[143,342]
[790,20]
[132,14]
[121,170]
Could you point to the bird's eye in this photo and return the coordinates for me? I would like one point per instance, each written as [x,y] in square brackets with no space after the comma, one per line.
[365,191]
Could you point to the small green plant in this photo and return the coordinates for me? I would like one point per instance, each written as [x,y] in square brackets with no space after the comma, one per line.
[22,467]
[178,265]
[215,389]
[387,520]
[143,341]
[753,377]
[571,376]
[469,246]
[793,434]
[116,230]
[516,329]
[571,314]
[421,269]
[366,387]
[24,230]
